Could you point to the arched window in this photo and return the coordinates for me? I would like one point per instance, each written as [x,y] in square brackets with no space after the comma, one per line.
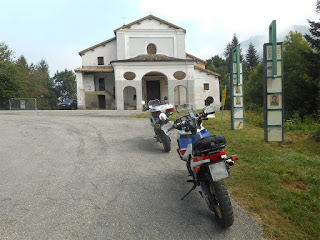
[151,49]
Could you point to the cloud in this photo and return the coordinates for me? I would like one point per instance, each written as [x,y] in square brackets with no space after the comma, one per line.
[215,22]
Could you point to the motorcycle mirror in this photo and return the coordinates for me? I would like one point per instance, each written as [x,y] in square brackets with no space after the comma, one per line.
[143,102]
[162,116]
[209,100]
[212,115]
[209,111]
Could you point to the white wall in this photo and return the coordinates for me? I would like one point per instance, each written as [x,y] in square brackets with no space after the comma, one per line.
[108,52]
[133,41]
[142,68]
[138,45]
[201,94]
[80,90]
[88,82]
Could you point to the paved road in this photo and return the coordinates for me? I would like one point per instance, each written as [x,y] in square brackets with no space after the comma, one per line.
[98,175]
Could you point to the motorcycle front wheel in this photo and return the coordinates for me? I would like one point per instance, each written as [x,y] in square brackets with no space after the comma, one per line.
[166,141]
[220,203]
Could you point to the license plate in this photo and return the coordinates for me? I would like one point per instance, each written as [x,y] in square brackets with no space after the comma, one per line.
[218,171]
[167,128]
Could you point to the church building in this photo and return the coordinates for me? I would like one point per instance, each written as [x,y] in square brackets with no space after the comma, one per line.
[145,60]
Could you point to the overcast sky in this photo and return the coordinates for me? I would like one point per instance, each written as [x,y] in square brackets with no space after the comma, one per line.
[56,30]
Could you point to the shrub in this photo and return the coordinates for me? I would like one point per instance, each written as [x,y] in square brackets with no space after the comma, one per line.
[316,135]
[255,118]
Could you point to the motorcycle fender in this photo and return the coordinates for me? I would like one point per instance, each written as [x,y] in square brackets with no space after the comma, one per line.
[167,128]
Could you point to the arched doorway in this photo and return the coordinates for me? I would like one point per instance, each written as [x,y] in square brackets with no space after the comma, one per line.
[180,95]
[130,98]
[154,86]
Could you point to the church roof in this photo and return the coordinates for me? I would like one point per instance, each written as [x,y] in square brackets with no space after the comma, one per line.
[153,58]
[196,58]
[150,17]
[94,69]
[97,45]
[207,71]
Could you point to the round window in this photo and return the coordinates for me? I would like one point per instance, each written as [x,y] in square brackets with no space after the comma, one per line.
[129,75]
[179,75]
[151,49]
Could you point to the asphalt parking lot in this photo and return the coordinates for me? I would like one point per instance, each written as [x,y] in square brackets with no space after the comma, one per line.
[98,175]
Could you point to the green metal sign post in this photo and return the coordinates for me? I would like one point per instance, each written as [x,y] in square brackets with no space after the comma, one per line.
[273,88]
[273,41]
[236,83]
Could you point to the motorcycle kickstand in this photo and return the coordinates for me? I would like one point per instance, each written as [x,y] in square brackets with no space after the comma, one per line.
[193,188]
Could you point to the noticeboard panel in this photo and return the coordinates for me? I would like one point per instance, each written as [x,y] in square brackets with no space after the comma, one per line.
[237,90]
[274,134]
[273,94]
[274,85]
[274,101]
[269,69]
[274,118]
[238,113]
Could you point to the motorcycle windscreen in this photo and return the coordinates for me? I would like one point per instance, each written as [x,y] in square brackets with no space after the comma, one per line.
[167,128]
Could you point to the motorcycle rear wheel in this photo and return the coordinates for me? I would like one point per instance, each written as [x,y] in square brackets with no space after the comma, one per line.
[220,203]
[166,141]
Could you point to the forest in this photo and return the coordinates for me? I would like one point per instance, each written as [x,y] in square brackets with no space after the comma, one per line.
[18,79]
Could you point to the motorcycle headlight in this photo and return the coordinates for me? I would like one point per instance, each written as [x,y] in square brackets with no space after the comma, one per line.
[69,104]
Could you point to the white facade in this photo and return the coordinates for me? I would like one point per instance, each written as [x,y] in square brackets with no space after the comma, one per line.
[145,60]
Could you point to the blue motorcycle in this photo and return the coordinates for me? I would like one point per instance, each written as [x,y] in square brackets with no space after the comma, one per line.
[206,161]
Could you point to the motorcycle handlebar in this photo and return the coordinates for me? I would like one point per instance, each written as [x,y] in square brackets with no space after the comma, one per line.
[145,108]
[178,124]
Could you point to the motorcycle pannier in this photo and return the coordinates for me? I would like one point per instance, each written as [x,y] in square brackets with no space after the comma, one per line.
[209,144]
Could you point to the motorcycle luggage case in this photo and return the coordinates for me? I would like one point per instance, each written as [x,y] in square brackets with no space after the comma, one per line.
[209,144]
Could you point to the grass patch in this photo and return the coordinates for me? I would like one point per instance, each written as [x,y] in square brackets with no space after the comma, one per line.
[279,184]
[141,115]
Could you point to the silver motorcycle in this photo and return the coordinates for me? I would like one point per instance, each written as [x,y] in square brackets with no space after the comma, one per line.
[159,120]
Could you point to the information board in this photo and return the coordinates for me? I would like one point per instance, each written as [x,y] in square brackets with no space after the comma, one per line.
[273,93]
[236,83]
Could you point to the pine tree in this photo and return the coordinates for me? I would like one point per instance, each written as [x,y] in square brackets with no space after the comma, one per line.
[252,57]
[251,61]
[313,57]
[6,55]
[314,38]
[228,50]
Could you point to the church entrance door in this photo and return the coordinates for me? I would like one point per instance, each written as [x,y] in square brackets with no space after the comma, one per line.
[102,101]
[153,90]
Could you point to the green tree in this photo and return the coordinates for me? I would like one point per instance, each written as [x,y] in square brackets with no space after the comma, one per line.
[11,85]
[253,89]
[219,65]
[66,86]
[314,38]
[313,56]
[300,91]
[6,55]
[49,96]
[251,61]
[228,50]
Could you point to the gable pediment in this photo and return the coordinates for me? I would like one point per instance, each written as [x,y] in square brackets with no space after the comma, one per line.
[150,22]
